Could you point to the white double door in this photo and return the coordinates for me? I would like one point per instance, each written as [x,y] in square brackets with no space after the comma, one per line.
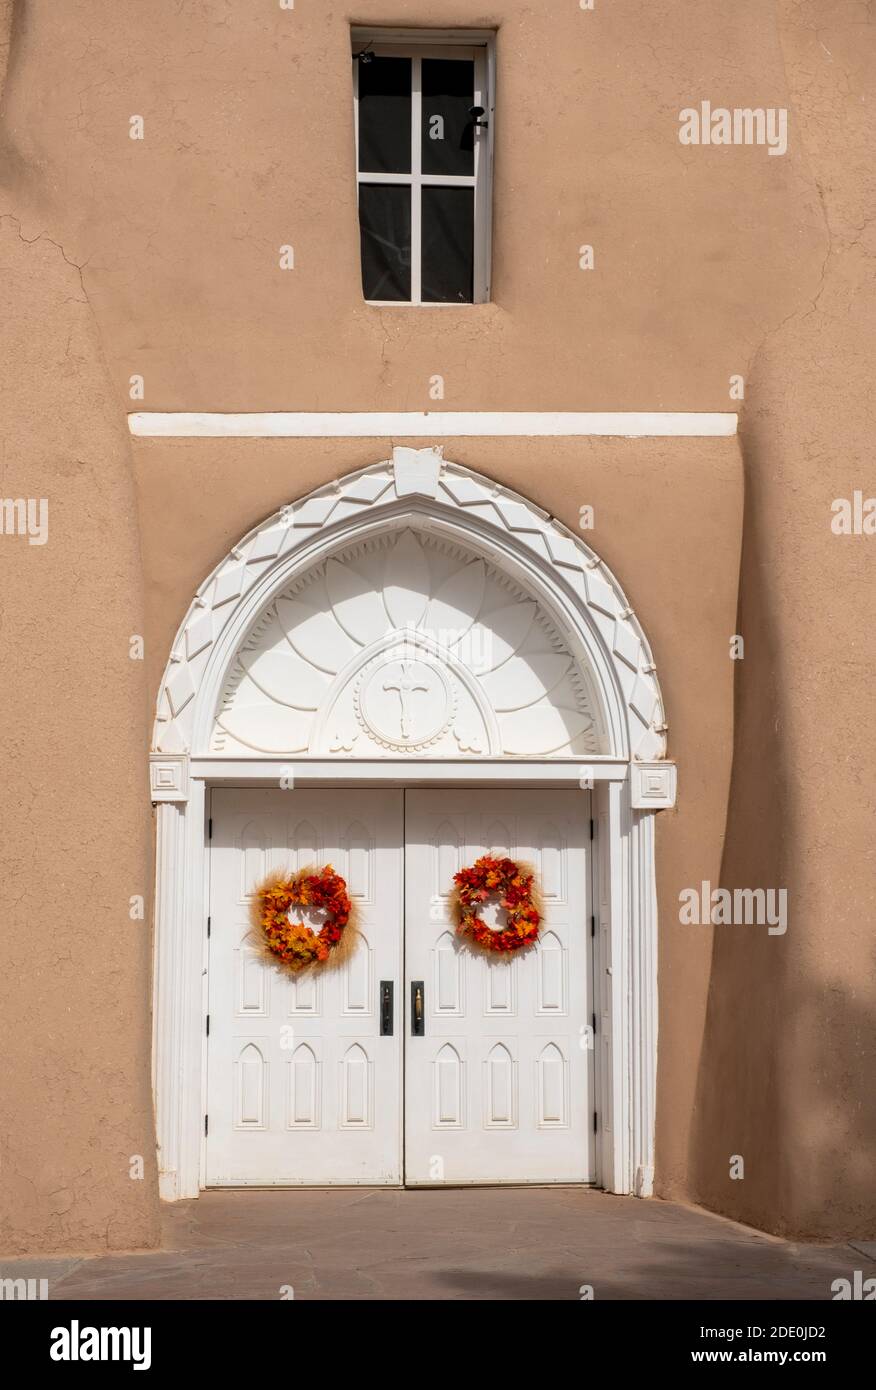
[420,1060]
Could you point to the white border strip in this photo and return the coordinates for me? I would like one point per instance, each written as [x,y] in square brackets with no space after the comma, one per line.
[414,424]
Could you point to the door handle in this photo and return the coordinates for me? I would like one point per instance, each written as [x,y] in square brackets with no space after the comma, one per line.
[418,1025]
[386,1009]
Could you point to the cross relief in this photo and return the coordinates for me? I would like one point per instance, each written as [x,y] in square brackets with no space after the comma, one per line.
[405,686]
[405,701]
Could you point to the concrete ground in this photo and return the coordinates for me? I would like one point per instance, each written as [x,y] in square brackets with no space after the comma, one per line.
[487,1243]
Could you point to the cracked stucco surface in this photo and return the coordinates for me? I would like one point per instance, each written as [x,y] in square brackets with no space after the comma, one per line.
[803,801]
[74,1097]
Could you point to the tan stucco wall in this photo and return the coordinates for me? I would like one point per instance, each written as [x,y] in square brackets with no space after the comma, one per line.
[249,146]
[75,1106]
[708,263]
[790,1033]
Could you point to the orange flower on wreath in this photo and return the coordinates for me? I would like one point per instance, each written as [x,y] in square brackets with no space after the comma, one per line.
[514,885]
[292,942]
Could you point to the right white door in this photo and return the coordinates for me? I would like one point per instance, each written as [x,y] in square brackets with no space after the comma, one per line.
[499,1084]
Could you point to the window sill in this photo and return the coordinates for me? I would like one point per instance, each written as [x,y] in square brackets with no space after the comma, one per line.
[403,304]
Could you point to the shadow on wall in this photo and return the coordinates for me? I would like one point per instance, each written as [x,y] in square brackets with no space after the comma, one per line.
[783,1078]
[786,1076]
[739,1098]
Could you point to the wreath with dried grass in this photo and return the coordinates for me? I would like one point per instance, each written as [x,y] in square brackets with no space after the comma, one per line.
[513,883]
[293,943]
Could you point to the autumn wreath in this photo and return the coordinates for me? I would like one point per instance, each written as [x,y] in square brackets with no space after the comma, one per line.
[513,884]
[294,943]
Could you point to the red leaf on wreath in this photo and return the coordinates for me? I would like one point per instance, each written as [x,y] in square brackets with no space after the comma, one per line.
[503,877]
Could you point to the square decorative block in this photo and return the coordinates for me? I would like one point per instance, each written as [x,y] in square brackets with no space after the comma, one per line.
[169,776]
[654,786]
[416,470]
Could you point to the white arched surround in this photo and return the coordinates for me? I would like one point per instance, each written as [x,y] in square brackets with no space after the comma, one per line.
[532,670]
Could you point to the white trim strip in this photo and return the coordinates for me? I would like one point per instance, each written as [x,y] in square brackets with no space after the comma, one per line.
[420,772]
[414,424]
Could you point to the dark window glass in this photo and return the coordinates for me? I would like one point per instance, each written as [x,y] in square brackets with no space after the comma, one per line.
[448,245]
[385,227]
[385,116]
[448,132]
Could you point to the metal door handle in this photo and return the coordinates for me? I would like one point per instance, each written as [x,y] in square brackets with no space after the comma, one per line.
[418,1027]
[386,1009]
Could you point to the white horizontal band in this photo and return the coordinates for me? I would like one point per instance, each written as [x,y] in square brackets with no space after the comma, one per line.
[422,772]
[414,424]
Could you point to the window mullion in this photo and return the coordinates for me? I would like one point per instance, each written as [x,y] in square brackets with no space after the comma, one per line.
[365,177]
[448,180]
[483,180]
[416,179]
[356,111]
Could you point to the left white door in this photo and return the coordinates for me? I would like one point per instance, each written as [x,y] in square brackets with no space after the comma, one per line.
[302,1085]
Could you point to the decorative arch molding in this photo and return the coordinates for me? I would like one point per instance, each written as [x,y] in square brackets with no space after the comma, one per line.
[575,592]
[444,536]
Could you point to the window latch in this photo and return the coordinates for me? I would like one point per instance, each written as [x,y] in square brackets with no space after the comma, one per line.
[477,114]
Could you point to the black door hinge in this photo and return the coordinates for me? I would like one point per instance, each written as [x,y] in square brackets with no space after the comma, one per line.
[209,920]
[593,1016]
[208,1025]
[206,1124]
[592,927]
[595,1125]
[210,829]
[591,827]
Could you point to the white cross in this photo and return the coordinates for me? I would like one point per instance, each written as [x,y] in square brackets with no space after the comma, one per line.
[404,687]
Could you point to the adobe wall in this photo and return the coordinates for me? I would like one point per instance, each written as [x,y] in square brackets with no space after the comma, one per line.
[790,1033]
[75,1102]
[709,262]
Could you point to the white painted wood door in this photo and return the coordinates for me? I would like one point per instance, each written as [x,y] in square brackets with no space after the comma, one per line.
[500,1087]
[301,1086]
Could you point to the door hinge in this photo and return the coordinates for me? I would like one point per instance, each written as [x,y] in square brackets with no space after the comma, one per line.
[208,1025]
[595,1125]
[591,827]
[592,927]
[209,920]
[593,1016]
[210,829]
[206,1124]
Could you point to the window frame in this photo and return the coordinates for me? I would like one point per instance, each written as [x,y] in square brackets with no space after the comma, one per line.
[417,44]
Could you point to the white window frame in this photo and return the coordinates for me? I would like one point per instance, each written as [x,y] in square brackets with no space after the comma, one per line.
[417,44]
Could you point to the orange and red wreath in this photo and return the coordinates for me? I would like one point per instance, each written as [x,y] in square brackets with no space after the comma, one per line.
[293,942]
[512,883]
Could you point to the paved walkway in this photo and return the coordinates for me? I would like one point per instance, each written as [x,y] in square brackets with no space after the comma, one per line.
[500,1243]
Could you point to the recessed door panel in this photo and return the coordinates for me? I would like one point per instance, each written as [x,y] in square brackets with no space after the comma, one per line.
[303,1086]
[499,1083]
[483,1063]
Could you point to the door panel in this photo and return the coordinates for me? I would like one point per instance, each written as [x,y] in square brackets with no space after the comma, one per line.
[301,1086]
[499,1088]
[303,1089]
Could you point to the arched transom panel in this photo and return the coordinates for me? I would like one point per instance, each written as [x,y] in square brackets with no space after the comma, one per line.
[406,643]
[412,607]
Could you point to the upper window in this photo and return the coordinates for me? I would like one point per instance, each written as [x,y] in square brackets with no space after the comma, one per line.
[423,138]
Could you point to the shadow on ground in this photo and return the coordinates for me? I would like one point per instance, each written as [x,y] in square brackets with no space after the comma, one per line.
[518,1244]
